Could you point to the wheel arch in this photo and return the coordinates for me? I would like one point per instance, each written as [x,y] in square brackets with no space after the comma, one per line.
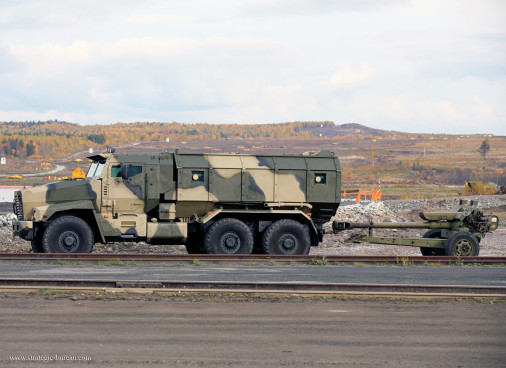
[87,215]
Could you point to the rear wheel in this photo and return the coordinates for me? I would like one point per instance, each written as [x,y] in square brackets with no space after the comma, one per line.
[462,244]
[426,251]
[68,234]
[228,236]
[286,237]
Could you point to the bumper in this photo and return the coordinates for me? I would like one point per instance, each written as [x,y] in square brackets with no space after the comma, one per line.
[23,229]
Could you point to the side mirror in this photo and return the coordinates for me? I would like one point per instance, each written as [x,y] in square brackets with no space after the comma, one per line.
[125,168]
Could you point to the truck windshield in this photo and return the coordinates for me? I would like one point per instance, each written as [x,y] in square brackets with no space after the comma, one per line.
[96,169]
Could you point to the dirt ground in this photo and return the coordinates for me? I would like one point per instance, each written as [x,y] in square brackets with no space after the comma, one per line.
[140,333]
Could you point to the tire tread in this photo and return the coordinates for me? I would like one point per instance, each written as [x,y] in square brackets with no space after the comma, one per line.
[51,232]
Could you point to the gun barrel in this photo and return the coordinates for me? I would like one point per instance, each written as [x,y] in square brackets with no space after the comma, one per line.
[340,226]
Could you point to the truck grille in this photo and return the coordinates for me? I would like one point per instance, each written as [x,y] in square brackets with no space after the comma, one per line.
[18,205]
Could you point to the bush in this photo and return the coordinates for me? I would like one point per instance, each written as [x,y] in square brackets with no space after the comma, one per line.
[479,188]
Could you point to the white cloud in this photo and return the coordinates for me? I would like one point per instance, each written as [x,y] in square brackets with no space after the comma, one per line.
[349,76]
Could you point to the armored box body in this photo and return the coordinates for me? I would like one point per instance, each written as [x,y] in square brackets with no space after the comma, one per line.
[258,181]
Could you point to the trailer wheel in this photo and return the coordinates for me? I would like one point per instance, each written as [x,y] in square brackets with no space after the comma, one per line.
[462,244]
[68,234]
[228,236]
[426,251]
[286,237]
[195,244]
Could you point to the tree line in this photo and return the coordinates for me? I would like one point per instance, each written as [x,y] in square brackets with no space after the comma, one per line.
[60,138]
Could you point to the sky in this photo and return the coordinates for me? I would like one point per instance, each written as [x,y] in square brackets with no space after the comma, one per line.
[429,66]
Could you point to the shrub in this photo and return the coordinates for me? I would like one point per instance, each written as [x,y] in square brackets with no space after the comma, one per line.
[479,188]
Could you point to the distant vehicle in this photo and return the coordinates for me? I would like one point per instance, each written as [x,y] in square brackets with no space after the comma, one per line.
[215,203]
[14,177]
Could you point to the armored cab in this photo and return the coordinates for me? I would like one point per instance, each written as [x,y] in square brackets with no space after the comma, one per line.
[215,203]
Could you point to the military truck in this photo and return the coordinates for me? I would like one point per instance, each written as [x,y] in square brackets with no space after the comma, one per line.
[214,203]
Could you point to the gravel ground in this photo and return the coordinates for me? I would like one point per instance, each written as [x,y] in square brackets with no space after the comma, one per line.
[494,244]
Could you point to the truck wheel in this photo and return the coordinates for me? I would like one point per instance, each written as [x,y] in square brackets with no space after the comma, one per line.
[462,244]
[195,244]
[286,237]
[37,246]
[426,251]
[228,236]
[68,234]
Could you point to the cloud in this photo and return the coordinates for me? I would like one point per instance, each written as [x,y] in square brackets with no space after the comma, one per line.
[351,76]
[305,7]
[34,14]
[143,74]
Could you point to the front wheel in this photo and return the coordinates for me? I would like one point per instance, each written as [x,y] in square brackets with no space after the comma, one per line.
[228,236]
[462,244]
[68,234]
[286,237]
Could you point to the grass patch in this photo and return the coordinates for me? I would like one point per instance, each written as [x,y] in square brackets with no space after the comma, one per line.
[271,262]
[318,261]
[116,262]
[402,261]
[360,264]
[197,262]
[48,292]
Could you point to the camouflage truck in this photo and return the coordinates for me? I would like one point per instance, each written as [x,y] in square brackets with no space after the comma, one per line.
[214,203]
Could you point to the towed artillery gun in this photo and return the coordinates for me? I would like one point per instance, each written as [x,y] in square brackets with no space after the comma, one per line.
[453,233]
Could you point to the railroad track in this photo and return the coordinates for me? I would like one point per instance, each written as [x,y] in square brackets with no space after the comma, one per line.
[232,287]
[250,259]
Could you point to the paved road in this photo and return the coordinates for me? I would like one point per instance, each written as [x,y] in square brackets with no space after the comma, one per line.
[171,333]
[57,169]
[490,276]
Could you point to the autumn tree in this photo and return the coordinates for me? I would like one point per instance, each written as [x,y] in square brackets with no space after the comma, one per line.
[484,148]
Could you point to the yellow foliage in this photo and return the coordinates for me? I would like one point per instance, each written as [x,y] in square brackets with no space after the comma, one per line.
[478,188]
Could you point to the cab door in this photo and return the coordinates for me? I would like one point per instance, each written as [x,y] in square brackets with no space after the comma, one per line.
[123,200]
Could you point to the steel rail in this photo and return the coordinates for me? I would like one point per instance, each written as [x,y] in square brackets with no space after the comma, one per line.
[238,286]
[247,259]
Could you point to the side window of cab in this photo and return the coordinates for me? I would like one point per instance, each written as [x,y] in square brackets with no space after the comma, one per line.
[125,171]
[116,171]
[134,170]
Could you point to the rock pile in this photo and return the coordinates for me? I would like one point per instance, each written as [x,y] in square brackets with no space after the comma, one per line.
[6,220]
[373,211]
